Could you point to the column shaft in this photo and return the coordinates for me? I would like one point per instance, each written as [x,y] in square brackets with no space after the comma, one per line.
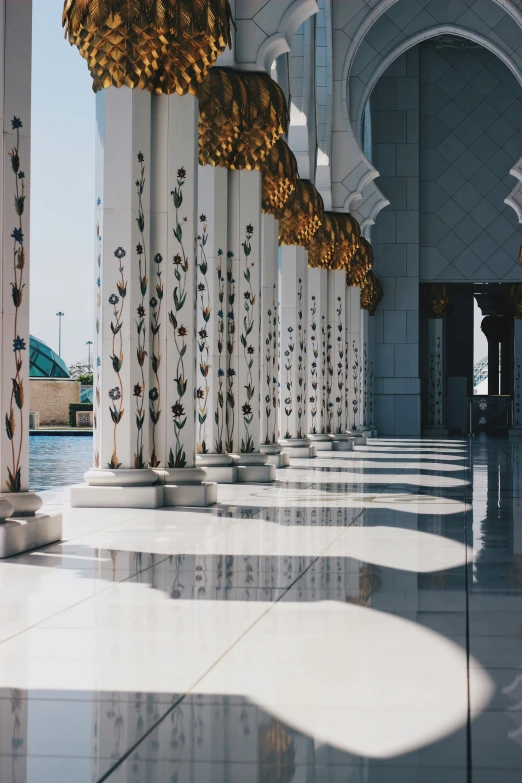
[244,334]
[15,104]
[211,319]
[355,356]
[317,352]
[437,373]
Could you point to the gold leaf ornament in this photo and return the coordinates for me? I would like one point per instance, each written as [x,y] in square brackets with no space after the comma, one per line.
[302,215]
[265,120]
[279,177]
[371,292]
[322,247]
[222,102]
[514,300]
[349,240]
[361,262]
[436,299]
[163,46]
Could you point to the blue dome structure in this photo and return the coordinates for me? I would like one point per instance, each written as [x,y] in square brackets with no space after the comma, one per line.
[44,362]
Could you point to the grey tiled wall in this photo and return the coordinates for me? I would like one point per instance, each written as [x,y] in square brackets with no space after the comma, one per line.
[395,131]
[470,137]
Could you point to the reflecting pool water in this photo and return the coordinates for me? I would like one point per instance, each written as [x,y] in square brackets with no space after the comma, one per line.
[56,461]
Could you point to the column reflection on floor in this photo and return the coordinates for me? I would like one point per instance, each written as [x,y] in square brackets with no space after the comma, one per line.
[312,631]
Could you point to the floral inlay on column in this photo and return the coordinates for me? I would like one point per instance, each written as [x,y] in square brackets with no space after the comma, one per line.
[179,295]
[139,390]
[329,380]
[220,397]
[340,366]
[203,345]
[436,385]
[370,401]
[155,326]
[247,443]
[231,344]
[116,393]
[97,395]
[365,385]
[314,368]
[355,376]
[14,479]
[301,361]
[271,370]
[324,392]
[289,357]
[517,391]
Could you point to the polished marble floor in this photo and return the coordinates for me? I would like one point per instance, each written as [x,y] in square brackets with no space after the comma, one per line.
[358,622]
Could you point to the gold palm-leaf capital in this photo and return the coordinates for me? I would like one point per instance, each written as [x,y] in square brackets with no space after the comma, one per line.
[222,102]
[436,299]
[266,119]
[279,170]
[371,292]
[164,46]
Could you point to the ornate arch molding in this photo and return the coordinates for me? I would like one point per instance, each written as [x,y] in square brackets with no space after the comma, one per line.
[425,35]
[279,42]
[514,200]
[366,25]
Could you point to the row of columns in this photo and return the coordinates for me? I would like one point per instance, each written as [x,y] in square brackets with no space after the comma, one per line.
[210,359]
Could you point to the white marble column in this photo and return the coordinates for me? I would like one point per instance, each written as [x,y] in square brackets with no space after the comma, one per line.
[244,316]
[174,238]
[294,352]
[211,320]
[15,102]
[356,364]
[270,356]
[516,428]
[121,476]
[369,393]
[436,377]
[317,396]
[337,328]
[364,339]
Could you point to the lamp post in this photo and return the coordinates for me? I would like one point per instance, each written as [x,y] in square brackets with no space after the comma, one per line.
[89,343]
[60,315]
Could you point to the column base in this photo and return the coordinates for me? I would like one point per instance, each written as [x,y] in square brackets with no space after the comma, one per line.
[515,433]
[435,432]
[360,440]
[21,534]
[321,441]
[121,488]
[116,497]
[279,460]
[220,468]
[254,469]
[204,494]
[299,448]
[342,441]
[372,433]
[25,504]
[275,456]
[186,487]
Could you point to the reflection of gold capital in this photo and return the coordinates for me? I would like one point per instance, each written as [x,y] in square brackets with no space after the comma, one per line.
[371,292]
[148,44]
[279,177]
[276,754]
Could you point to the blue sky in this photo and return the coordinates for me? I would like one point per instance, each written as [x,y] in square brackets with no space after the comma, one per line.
[62,187]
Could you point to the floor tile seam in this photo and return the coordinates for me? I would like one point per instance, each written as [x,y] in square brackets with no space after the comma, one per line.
[139,513]
[243,634]
[110,586]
